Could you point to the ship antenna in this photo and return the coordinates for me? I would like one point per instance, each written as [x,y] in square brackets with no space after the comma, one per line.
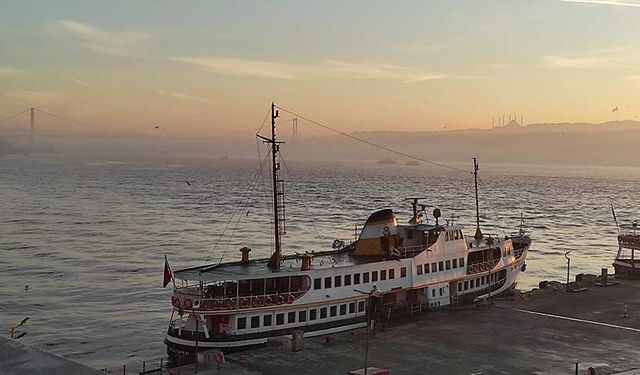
[278,198]
[478,235]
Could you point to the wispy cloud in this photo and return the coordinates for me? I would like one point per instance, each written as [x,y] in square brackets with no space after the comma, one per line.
[180,95]
[32,97]
[329,68]
[97,39]
[241,67]
[79,82]
[554,61]
[619,56]
[605,2]
[6,71]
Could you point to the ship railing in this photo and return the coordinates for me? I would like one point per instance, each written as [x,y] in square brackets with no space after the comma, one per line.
[196,302]
[479,267]
[411,251]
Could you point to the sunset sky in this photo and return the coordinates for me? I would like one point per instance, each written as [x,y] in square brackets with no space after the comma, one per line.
[211,68]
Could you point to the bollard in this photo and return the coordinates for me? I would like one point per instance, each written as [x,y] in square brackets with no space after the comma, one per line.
[605,276]
[144,367]
[124,369]
[161,360]
[576,368]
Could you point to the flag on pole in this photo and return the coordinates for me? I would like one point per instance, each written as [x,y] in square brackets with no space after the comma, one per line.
[168,275]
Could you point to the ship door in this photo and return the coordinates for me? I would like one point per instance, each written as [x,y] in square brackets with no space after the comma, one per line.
[453,291]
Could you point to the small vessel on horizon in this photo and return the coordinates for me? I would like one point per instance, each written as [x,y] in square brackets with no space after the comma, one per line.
[390,269]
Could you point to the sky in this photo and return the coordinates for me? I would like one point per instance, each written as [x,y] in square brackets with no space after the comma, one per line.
[211,68]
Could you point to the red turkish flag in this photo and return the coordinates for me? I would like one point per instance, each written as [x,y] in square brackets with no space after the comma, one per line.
[168,275]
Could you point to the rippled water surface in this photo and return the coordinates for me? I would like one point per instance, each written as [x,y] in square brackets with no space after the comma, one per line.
[89,237]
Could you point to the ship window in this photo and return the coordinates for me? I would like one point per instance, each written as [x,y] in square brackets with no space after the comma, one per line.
[255,321]
[466,285]
[446,236]
[440,291]
[426,268]
[356,278]
[419,271]
[477,283]
[433,292]
[403,272]
[365,277]
[338,281]
[347,280]
[266,320]
[352,307]
[383,274]
[327,282]
[392,274]
[459,287]
[323,313]
[440,266]
[434,267]
[333,310]
[317,283]
[448,264]
[313,314]
[455,234]
[461,262]
[242,323]
[302,316]
[343,309]
[279,319]
[360,306]
[291,317]
[374,276]
[454,263]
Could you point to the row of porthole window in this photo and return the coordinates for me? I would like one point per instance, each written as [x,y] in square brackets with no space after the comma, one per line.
[346,280]
[475,283]
[299,316]
[439,266]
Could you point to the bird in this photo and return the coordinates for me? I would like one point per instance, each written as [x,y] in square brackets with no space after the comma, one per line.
[615,109]
[188,183]
[26,288]
[156,127]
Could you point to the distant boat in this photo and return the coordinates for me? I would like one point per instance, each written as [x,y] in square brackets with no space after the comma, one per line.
[626,264]
[387,161]
[391,270]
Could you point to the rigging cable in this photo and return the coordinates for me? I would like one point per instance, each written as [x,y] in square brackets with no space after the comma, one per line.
[371,143]
[14,116]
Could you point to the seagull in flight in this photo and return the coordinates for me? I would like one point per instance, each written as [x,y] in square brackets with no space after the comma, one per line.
[158,126]
[26,288]
[615,109]
[188,183]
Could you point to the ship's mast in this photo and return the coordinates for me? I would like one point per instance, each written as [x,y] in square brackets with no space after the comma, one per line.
[274,262]
[478,235]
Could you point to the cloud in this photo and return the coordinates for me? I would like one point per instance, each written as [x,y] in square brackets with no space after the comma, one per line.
[180,95]
[79,82]
[99,40]
[329,68]
[618,56]
[241,67]
[553,61]
[6,71]
[605,2]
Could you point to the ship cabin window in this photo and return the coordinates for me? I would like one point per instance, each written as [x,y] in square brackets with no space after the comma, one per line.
[302,316]
[454,263]
[374,276]
[459,287]
[426,268]
[317,283]
[441,291]
[433,292]
[313,314]
[255,321]
[242,323]
[323,313]
[392,274]
[419,271]
[365,277]
[461,261]
[447,264]
[327,282]
[266,320]
[347,280]
[356,278]
[280,319]
[466,285]
[360,306]
[333,310]
[440,266]
[291,317]
[477,283]
[343,309]
[403,272]
[337,281]
[434,267]
[383,275]
[352,307]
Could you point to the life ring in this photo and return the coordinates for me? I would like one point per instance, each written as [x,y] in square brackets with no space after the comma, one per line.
[216,304]
[290,299]
[268,300]
[481,267]
[280,300]
[175,301]
[218,357]
[231,304]
[196,304]
[187,304]
[244,302]
[386,231]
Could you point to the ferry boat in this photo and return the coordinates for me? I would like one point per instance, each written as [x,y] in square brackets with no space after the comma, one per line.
[626,265]
[391,268]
